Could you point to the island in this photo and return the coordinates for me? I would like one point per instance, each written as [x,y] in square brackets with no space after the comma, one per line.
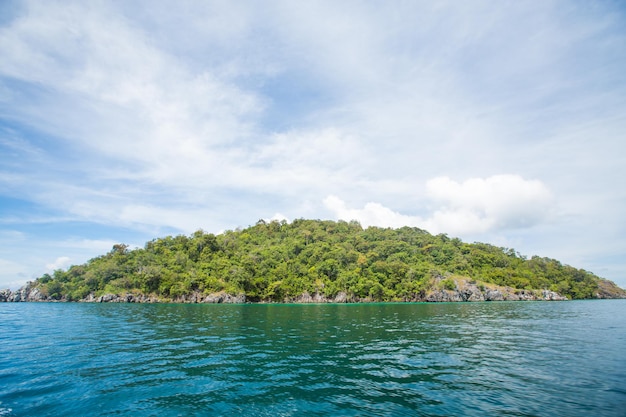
[314,261]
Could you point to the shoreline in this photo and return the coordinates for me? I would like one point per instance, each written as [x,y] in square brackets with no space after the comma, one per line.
[464,290]
[437,296]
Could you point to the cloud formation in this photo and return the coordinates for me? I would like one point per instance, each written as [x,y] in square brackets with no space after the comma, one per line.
[477,205]
[122,121]
[499,202]
[59,263]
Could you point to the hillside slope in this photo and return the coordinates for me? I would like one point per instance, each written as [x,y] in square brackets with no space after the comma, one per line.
[314,260]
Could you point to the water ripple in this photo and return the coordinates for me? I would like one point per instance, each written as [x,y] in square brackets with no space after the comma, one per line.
[522,359]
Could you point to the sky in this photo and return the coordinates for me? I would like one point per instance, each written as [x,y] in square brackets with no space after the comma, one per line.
[500,122]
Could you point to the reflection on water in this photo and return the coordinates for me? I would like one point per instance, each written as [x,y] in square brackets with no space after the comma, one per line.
[365,359]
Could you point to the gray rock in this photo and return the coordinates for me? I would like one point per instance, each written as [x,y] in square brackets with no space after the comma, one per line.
[476,295]
[466,294]
[224,298]
[306,298]
[552,296]
[511,297]
[89,299]
[217,298]
[341,297]
[493,295]
[444,296]
[5,295]
[19,295]
[236,299]
[525,295]
[35,295]
[109,298]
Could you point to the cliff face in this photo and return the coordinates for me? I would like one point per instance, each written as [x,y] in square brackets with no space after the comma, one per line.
[26,293]
[442,290]
[608,290]
[466,293]
[469,291]
[29,294]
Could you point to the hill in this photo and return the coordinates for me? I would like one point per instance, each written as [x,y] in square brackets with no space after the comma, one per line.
[315,261]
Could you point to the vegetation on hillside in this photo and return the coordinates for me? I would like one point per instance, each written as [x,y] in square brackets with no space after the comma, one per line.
[274,261]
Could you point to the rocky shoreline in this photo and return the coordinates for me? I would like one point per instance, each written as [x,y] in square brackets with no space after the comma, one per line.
[464,292]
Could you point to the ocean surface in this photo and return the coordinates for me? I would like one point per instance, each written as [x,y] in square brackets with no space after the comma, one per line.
[498,358]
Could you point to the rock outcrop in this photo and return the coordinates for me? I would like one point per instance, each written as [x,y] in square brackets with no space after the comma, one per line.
[224,298]
[455,290]
[608,290]
[471,291]
[5,295]
[307,298]
[26,293]
[195,297]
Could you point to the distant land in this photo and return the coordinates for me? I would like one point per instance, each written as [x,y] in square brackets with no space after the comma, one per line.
[314,261]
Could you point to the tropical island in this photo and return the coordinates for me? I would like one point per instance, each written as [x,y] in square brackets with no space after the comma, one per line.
[314,261]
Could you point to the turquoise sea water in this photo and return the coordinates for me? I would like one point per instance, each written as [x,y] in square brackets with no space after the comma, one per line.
[500,358]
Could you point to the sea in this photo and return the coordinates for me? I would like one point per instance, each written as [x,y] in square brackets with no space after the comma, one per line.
[440,359]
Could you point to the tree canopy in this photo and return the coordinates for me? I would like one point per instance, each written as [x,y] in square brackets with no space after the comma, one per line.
[275,261]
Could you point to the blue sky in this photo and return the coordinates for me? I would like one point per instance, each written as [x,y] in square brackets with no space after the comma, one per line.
[499,122]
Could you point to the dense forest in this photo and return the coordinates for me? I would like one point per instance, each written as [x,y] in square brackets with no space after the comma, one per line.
[278,261]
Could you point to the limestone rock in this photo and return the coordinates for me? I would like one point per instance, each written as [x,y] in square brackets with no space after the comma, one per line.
[5,295]
[552,296]
[109,298]
[493,295]
[224,298]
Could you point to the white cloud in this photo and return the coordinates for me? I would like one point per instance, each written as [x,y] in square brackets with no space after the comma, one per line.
[144,117]
[295,161]
[97,246]
[372,214]
[59,263]
[11,272]
[278,217]
[108,88]
[24,257]
[480,205]
[12,236]
[477,205]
